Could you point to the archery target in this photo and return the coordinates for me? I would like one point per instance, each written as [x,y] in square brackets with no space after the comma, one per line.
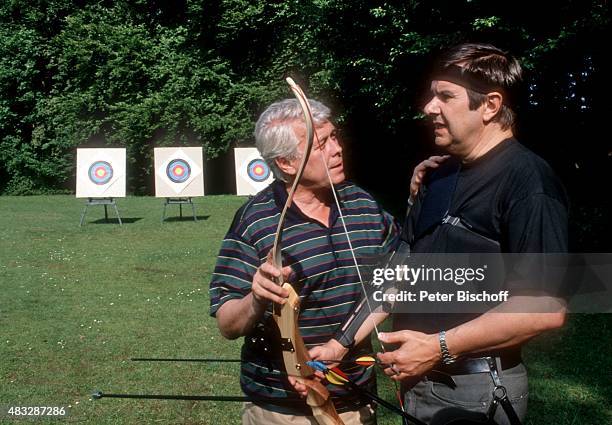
[100,173]
[258,170]
[179,172]
[252,173]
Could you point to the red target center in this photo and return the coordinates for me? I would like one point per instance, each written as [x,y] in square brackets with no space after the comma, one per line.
[100,172]
[179,171]
[258,170]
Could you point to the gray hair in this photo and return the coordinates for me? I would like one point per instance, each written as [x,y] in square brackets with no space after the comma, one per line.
[274,135]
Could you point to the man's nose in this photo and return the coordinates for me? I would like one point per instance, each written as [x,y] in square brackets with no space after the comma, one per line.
[335,146]
[431,108]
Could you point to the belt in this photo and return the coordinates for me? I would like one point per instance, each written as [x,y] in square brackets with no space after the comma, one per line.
[471,365]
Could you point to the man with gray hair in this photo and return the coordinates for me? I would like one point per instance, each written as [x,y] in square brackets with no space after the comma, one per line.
[318,256]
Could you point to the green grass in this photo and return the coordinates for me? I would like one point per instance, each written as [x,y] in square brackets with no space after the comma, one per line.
[77,303]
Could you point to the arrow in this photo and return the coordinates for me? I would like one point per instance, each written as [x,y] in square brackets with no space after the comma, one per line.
[365,361]
[337,377]
[96,395]
[152,359]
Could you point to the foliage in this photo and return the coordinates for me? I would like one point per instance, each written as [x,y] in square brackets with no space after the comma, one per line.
[146,73]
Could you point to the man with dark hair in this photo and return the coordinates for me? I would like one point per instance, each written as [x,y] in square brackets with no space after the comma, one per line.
[480,68]
[492,195]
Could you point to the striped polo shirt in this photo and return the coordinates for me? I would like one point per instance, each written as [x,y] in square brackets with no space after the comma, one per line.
[325,278]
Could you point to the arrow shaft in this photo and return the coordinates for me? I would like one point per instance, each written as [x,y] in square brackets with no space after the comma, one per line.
[384,403]
[344,380]
[213,360]
[150,359]
[353,362]
[243,399]
[176,397]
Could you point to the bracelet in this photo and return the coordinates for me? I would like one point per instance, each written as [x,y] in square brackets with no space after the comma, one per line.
[447,357]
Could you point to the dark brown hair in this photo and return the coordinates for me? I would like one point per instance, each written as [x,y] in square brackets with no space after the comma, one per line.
[494,67]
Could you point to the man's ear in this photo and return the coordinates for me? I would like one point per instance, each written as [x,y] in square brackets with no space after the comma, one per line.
[492,106]
[285,166]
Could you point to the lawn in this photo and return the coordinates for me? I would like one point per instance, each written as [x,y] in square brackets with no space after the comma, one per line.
[78,302]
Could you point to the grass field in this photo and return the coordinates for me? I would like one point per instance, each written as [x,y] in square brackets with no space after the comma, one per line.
[77,303]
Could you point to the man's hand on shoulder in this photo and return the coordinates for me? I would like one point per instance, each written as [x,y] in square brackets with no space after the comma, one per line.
[421,170]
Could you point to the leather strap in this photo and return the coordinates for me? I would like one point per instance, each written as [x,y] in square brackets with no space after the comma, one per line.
[468,366]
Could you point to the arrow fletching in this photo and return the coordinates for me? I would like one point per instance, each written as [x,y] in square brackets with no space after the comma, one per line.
[365,361]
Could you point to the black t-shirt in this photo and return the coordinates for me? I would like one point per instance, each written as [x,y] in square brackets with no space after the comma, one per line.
[509,199]
[509,195]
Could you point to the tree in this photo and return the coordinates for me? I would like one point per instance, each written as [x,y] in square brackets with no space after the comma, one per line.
[145,73]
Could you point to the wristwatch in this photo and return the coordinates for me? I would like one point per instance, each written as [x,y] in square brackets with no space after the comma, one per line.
[447,357]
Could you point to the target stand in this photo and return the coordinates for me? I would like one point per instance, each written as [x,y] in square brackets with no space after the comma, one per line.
[180,202]
[101,201]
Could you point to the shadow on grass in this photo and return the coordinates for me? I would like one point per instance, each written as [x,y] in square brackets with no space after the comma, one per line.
[185,218]
[124,220]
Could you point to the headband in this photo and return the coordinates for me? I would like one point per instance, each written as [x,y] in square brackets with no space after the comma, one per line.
[470,80]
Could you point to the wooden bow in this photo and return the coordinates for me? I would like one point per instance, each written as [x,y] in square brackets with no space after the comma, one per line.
[295,354]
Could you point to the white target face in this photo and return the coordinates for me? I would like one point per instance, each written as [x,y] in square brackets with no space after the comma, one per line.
[252,173]
[179,172]
[100,173]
